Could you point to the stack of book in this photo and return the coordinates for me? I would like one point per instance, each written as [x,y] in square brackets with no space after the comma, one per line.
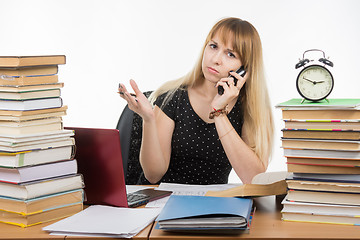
[38,173]
[321,142]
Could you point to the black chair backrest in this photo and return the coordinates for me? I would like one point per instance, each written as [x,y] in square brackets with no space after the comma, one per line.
[130,130]
[124,127]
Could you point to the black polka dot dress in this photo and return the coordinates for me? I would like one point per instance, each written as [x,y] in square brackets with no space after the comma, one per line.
[197,156]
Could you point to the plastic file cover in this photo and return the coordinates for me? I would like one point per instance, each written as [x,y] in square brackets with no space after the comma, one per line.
[203,212]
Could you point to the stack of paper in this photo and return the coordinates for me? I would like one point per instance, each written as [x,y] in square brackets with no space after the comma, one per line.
[105,221]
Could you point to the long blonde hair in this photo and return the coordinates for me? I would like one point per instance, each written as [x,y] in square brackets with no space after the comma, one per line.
[254,96]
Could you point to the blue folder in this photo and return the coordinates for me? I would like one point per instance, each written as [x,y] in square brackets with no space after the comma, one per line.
[181,207]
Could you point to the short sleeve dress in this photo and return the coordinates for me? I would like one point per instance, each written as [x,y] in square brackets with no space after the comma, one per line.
[197,156]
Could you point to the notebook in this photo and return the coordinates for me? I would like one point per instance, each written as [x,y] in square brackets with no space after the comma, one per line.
[98,154]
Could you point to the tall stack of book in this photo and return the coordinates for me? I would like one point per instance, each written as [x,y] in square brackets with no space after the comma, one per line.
[321,142]
[38,173]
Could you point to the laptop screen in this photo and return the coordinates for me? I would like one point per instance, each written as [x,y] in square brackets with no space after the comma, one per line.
[98,154]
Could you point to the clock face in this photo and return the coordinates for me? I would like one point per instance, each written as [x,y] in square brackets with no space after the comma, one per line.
[314,83]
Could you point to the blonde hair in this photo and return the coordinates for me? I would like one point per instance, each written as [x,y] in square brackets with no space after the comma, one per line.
[254,96]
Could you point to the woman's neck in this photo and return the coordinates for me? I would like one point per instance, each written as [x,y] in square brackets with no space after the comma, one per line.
[205,89]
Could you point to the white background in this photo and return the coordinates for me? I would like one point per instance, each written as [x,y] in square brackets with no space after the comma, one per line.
[152,41]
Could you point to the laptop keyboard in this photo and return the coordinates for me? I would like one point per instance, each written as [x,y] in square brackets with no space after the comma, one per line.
[137,199]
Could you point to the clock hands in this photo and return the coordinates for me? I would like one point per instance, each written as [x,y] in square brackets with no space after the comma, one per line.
[312,81]
[309,80]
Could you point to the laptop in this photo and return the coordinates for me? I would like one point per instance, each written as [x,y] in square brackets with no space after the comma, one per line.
[98,154]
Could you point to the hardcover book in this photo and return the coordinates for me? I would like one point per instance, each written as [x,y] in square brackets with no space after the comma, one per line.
[26,95]
[320,208]
[36,87]
[324,186]
[321,134]
[43,203]
[318,218]
[18,116]
[320,114]
[38,172]
[339,103]
[323,124]
[345,198]
[30,190]
[23,220]
[29,71]
[25,61]
[48,127]
[27,80]
[33,104]
[319,153]
[34,157]
[320,144]
[321,169]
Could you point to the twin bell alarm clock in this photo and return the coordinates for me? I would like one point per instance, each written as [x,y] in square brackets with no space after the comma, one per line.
[314,81]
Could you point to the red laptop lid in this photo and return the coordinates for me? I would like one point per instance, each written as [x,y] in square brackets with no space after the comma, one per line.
[98,154]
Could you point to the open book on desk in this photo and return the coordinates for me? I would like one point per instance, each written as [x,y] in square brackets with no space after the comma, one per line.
[263,184]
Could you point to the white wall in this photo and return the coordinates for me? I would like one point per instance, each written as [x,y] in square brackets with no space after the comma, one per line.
[152,41]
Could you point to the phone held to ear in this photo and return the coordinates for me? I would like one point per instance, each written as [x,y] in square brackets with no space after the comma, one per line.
[241,71]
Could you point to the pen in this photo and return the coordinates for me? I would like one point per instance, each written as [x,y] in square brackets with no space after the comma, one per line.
[122,93]
[131,94]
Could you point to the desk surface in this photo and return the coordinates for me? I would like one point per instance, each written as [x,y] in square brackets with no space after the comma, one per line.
[11,232]
[35,232]
[267,224]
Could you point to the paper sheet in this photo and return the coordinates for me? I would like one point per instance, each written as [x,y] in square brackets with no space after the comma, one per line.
[98,220]
[187,189]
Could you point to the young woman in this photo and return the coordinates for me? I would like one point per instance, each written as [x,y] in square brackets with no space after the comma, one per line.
[194,135]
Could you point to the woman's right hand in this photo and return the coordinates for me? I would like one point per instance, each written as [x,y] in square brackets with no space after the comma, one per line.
[138,102]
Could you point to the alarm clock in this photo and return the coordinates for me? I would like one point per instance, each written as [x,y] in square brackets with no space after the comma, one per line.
[315,81]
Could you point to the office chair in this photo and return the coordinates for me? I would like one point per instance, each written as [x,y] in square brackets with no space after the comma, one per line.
[130,130]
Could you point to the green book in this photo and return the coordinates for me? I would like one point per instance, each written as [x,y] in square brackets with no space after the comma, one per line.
[336,103]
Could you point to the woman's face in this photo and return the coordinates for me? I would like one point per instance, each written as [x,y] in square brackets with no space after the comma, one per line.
[219,59]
